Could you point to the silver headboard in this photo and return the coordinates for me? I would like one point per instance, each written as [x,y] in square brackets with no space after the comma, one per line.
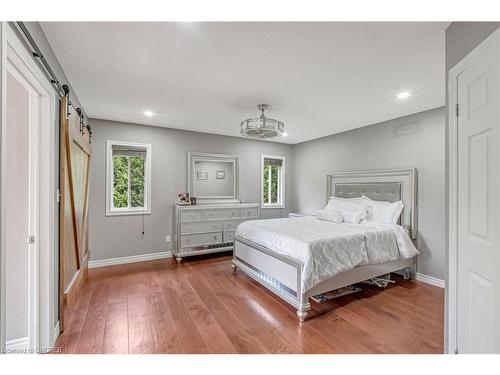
[384,185]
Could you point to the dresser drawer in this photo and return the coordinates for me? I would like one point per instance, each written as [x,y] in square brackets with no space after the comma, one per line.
[250,213]
[229,236]
[201,227]
[191,215]
[223,213]
[192,240]
[231,225]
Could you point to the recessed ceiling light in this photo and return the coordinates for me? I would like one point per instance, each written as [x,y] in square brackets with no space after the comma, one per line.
[404,95]
[285,134]
[148,113]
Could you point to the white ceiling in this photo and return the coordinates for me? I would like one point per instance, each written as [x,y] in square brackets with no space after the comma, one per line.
[320,78]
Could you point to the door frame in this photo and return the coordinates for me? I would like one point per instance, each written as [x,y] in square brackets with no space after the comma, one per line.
[35,107]
[451,290]
[43,262]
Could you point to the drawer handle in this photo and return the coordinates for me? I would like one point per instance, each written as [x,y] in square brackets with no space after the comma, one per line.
[215,226]
[215,237]
[188,240]
[249,213]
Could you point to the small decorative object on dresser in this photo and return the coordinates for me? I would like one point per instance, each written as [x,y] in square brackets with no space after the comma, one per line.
[183,199]
[193,201]
[208,228]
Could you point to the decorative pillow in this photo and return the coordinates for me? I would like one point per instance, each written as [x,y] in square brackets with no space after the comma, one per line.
[382,211]
[354,217]
[347,204]
[330,215]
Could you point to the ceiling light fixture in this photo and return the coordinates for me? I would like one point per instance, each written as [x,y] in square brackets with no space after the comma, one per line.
[262,126]
[148,113]
[404,95]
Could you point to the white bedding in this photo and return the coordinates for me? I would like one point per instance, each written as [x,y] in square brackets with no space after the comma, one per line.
[328,248]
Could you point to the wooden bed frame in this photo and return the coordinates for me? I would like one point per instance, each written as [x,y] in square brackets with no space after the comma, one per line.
[282,274]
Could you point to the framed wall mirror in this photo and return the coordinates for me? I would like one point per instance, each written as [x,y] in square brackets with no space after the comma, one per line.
[213,178]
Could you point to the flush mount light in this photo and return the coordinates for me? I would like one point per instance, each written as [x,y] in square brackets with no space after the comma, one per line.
[262,126]
[148,113]
[404,95]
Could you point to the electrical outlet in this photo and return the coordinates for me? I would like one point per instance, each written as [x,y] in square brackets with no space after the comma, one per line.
[167,238]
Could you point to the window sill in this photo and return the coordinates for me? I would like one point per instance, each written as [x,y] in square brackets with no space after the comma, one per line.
[266,206]
[128,213]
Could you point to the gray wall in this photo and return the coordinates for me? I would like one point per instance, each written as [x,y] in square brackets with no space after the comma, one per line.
[119,236]
[463,37]
[38,35]
[380,146]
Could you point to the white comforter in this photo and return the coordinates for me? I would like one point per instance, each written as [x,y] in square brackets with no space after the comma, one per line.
[327,248]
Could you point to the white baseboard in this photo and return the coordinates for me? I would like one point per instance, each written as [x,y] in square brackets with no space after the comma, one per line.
[17,345]
[129,259]
[430,280]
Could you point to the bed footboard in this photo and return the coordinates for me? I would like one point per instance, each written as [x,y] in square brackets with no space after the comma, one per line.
[280,274]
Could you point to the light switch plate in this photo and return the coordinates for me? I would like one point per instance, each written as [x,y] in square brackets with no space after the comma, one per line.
[167,238]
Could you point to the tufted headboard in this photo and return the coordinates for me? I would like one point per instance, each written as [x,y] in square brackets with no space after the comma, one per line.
[384,185]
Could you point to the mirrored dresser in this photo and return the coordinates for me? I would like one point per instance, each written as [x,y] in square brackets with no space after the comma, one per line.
[208,228]
[210,225]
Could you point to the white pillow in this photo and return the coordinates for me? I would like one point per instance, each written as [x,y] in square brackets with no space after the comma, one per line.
[347,204]
[382,211]
[330,215]
[354,217]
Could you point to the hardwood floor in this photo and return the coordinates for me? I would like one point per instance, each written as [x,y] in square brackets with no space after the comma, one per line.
[201,306]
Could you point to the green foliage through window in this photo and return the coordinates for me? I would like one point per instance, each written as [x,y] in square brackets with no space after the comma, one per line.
[271,184]
[120,179]
[137,181]
[128,181]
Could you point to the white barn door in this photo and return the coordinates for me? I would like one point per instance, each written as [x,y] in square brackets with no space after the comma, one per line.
[478,203]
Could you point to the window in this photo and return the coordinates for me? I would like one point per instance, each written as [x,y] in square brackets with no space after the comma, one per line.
[128,188]
[273,181]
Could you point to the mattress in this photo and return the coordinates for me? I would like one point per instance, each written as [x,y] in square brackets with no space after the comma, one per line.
[328,248]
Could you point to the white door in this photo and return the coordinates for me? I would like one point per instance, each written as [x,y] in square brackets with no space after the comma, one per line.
[21,188]
[478,247]
[28,205]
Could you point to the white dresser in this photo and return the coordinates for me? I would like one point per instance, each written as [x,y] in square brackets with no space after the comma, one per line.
[208,228]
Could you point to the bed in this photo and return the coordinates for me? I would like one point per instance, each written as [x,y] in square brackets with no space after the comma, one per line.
[300,257]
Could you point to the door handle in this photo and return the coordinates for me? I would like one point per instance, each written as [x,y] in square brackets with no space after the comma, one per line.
[31,240]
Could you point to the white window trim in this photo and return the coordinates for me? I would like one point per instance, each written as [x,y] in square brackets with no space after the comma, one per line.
[110,210]
[281,183]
